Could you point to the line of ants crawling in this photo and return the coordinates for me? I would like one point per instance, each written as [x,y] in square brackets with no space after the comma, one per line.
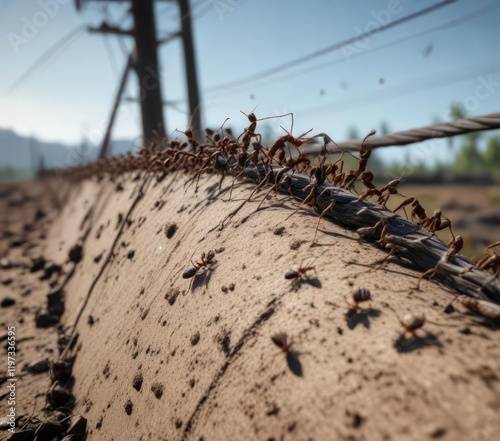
[275,170]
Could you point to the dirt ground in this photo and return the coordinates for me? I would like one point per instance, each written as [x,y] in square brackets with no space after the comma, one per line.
[162,357]
[473,209]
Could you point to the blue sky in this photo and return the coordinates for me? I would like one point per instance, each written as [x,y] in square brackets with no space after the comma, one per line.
[406,76]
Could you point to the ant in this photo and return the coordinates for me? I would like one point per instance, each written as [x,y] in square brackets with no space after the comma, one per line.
[359,295]
[328,208]
[389,189]
[280,144]
[364,155]
[483,307]
[455,245]
[332,169]
[490,261]
[220,163]
[319,174]
[293,163]
[417,211]
[365,152]
[283,342]
[383,193]
[249,132]
[217,137]
[297,276]
[207,261]
[189,136]
[292,357]
[410,324]
[366,178]
[437,222]
[385,238]
[370,231]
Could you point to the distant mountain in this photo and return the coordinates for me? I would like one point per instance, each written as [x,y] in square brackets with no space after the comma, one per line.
[27,154]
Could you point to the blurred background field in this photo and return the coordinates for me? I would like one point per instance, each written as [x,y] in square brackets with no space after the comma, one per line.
[474,210]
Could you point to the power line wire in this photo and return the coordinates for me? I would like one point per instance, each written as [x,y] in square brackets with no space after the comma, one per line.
[288,76]
[58,46]
[103,9]
[195,16]
[427,83]
[321,52]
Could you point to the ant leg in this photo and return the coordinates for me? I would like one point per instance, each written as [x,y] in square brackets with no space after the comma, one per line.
[310,197]
[493,245]
[261,184]
[277,182]
[232,186]
[429,274]
[382,261]
[274,187]
[330,206]
[403,205]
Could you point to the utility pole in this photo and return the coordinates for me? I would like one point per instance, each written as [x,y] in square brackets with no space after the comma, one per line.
[145,61]
[147,69]
[190,65]
[145,64]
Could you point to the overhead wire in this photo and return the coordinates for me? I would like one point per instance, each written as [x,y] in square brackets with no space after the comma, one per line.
[65,41]
[417,85]
[304,58]
[282,78]
[103,9]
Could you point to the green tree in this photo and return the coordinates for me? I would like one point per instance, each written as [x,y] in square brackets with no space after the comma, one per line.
[469,160]
[492,154]
[457,111]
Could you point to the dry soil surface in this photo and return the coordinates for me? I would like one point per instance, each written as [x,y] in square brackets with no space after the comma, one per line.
[161,357]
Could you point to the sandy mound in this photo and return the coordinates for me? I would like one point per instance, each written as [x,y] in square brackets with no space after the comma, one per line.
[162,357]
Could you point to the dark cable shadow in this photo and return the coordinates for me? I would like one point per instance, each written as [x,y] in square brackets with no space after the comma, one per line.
[372,267]
[334,234]
[363,318]
[479,320]
[407,345]
[293,363]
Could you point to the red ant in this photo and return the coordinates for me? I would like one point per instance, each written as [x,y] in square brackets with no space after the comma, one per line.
[455,245]
[249,132]
[297,276]
[358,296]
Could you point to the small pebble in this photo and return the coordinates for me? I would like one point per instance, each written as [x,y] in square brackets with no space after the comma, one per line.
[7,301]
[465,330]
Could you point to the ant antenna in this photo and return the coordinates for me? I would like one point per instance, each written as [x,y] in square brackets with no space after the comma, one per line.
[221,127]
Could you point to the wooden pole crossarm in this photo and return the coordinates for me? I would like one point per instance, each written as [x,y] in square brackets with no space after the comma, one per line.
[107,29]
